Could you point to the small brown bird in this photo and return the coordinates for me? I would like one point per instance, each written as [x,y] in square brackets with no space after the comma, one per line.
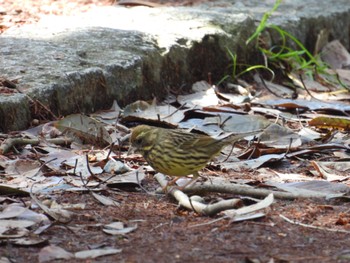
[176,152]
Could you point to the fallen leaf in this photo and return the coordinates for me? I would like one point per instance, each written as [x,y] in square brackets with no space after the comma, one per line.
[105,200]
[118,228]
[8,223]
[31,240]
[94,253]
[85,128]
[247,211]
[52,252]
[335,55]
[331,122]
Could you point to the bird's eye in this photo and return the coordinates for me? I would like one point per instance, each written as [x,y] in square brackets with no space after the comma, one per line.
[138,141]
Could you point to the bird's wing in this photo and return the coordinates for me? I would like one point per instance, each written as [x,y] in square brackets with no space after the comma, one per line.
[192,142]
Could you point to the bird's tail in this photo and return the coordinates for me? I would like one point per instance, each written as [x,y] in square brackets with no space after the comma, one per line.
[234,137]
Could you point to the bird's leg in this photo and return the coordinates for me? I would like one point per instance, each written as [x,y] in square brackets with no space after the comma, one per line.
[171,182]
[194,179]
[206,177]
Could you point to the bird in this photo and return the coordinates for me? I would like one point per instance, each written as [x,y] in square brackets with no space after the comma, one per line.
[176,152]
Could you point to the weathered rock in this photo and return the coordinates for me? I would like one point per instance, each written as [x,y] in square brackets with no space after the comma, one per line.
[83,63]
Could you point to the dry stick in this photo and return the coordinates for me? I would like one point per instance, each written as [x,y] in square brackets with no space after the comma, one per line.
[45,107]
[75,167]
[313,227]
[92,175]
[89,169]
[139,184]
[307,90]
[206,209]
[110,150]
[83,182]
[85,185]
[178,109]
[109,153]
[209,223]
[9,143]
[223,123]
[41,167]
[266,87]
[340,82]
[250,191]
[81,177]
[120,143]
[104,181]
[38,102]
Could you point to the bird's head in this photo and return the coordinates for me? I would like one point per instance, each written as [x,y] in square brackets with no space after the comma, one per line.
[143,138]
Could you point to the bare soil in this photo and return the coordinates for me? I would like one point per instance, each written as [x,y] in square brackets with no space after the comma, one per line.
[167,233]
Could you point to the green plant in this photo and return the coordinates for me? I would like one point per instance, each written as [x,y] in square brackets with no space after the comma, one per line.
[298,60]
[234,75]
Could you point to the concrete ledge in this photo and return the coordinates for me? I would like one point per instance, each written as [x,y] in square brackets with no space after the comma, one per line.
[83,63]
[14,112]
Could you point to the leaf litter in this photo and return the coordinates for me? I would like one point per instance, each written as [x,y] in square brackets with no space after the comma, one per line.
[93,169]
[299,153]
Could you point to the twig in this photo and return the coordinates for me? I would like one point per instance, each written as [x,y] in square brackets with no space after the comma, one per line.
[75,167]
[89,169]
[45,107]
[340,82]
[120,143]
[210,222]
[38,102]
[100,198]
[268,89]
[110,150]
[313,227]
[306,89]
[178,109]
[223,123]
[139,183]
[41,167]
[83,182]
[9,143]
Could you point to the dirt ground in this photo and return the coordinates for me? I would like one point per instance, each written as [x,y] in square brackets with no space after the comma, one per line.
[167,233]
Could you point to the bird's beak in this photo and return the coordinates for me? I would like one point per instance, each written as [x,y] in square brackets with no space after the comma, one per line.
[131,150]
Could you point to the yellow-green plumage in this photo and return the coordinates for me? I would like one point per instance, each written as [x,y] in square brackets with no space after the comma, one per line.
[176,152]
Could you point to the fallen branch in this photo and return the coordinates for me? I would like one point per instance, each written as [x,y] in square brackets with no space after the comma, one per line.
[197,206]
[240,189]
[9,143]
